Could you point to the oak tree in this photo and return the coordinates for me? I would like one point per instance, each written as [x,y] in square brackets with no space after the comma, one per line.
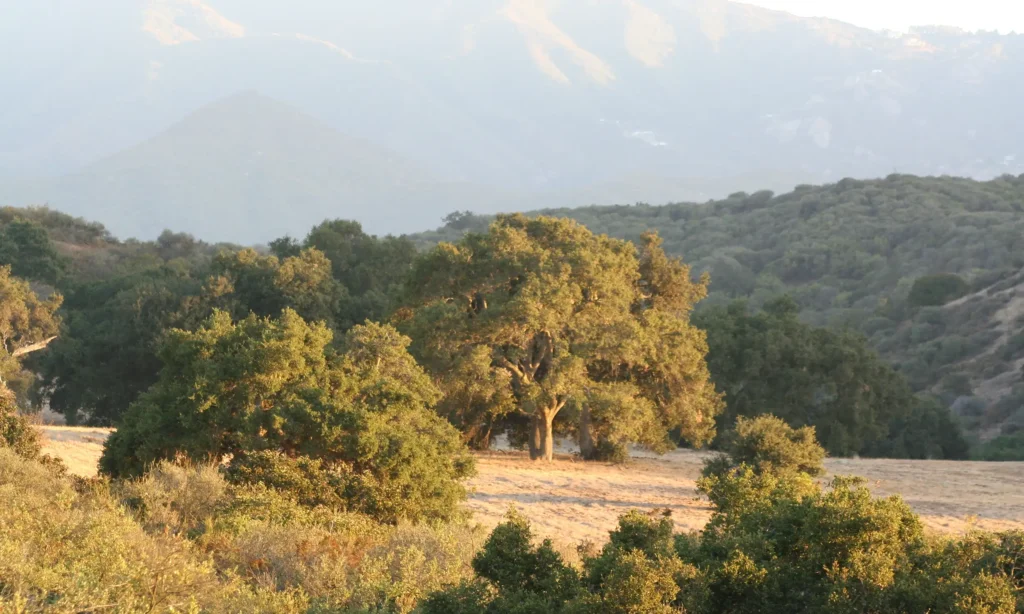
[564,321]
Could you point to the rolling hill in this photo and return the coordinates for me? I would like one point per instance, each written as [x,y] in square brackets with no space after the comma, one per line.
[850,254]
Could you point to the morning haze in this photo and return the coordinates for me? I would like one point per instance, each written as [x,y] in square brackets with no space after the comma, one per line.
[511,307]
[494,103]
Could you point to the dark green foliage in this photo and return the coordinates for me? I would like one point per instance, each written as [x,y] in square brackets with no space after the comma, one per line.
[516,576]
[466,598]
[245,282]
[362,417]
[770,446]
[28,250]
[1003,448]
[371,269]
[303,479]
[771,362]
[107,353]
[936,290]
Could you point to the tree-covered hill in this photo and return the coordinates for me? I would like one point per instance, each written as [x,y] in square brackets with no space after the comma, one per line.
[929,269]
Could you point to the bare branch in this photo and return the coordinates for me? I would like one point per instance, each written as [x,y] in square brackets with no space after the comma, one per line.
[506,363]
[35,347]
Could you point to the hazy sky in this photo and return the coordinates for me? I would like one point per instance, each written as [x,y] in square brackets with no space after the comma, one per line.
[1002,15]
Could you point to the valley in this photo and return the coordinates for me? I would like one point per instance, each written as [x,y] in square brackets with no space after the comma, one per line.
[570,501]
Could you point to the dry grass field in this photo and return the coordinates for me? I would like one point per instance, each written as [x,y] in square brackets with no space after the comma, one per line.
[570,501]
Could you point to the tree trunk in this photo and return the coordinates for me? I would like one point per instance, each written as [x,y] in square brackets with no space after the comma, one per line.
[547,421]
[536,437]
[586,435]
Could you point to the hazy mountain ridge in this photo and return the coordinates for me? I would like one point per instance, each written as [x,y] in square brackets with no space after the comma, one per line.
[527,96]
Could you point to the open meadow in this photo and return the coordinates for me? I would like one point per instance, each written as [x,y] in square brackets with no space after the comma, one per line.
[570,501]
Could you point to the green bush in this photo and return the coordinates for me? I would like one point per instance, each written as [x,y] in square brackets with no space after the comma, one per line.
[352,429]
[304,479]
[937,290]
[514,576]
[1003,448]
[16,432]
[770,446]
[68,550]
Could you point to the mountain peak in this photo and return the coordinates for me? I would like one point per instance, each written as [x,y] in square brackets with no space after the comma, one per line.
[172,22]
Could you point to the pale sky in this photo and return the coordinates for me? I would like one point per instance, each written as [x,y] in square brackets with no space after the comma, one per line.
[1002,15]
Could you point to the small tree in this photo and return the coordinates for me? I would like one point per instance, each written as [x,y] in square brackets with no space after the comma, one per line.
[769,445]
[514,575]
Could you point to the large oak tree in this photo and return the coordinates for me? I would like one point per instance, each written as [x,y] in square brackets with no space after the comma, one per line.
[554,320]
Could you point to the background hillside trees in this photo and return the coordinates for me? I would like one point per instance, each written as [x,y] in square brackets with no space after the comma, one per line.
[771,362]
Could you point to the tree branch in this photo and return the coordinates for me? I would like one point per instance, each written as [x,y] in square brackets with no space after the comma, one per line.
[35,347]
[506,363]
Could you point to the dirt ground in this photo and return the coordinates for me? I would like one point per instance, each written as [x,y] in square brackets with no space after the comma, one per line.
[571,501]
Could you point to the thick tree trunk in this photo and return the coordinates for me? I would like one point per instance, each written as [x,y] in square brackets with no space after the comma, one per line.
[548,436]
[536,437]
[542,441]
[586,434]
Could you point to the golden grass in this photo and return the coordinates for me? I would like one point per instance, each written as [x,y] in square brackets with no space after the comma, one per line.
[570,501]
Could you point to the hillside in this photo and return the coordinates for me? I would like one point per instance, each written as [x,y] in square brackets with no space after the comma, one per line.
[249,169]
[563,104]
[850,253]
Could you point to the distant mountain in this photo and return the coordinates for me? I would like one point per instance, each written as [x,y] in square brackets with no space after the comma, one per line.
[591,102]
[249,168]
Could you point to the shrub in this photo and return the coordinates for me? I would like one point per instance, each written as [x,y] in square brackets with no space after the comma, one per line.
[304,479]
[837,550]
[16,432]
[64,550]
[770,446]
[352,429]
[176,499]
[1003,448]
[936,290]
[514,576]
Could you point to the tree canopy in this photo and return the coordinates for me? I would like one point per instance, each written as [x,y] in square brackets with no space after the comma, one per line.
[771,362]
[27,323]
[849,254]
[563,319]
[26,247]
[231,389]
